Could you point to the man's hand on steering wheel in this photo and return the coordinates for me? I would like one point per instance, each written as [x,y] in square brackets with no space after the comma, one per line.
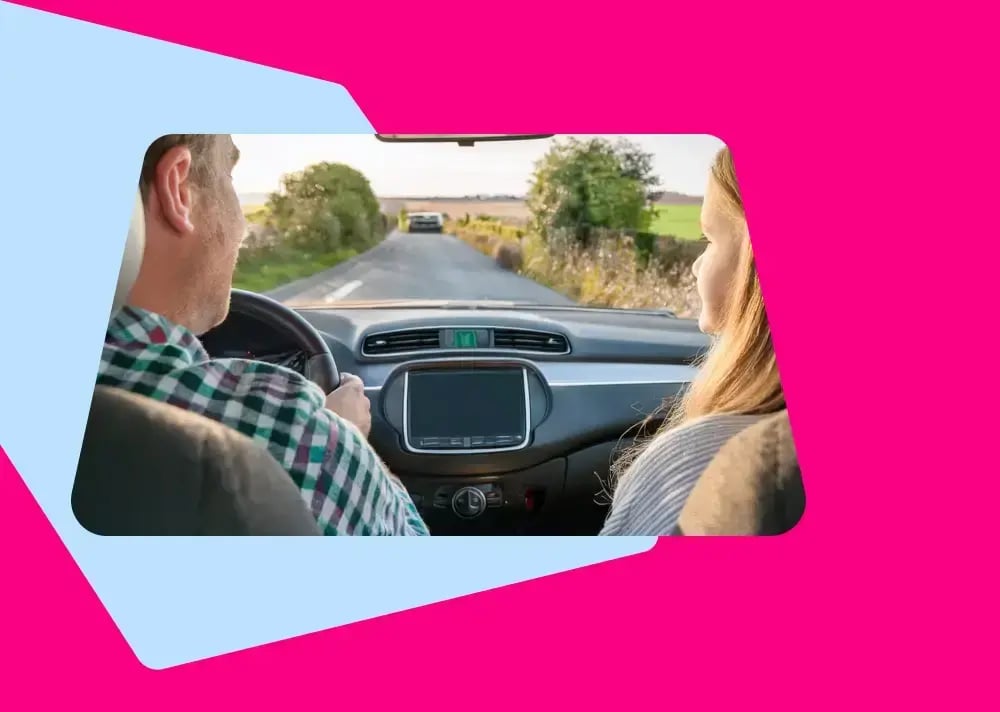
[350,402]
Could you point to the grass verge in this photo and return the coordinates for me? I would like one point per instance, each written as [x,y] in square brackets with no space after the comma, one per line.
[264,268]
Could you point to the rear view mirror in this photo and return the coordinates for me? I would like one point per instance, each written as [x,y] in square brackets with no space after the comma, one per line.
[460,139]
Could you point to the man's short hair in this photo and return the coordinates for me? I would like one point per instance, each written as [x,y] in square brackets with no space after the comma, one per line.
[200,145]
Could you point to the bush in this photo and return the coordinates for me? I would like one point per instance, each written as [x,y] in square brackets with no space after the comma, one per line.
[645,246]
[257,214]
[675,256]
[321,216]
[508,256]
[482,242]
[611,272]
[584,186]
[326,208]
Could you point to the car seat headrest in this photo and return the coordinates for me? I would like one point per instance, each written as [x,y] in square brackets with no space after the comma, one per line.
[753,487]
[132,258]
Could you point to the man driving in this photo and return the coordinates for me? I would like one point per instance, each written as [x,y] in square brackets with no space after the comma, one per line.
[194,227]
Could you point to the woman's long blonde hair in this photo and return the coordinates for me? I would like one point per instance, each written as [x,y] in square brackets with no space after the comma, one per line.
[739,373]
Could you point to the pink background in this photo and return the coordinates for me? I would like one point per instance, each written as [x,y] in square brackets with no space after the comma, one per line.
[861,138]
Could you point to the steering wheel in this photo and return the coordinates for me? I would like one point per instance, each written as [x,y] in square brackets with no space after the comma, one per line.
[320,367]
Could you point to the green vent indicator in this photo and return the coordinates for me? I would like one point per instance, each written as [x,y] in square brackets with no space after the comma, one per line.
[465,339]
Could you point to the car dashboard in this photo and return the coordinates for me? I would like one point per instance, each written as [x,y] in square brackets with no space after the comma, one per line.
[501,420]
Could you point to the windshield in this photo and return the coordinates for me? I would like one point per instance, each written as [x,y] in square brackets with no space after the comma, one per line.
[569,221]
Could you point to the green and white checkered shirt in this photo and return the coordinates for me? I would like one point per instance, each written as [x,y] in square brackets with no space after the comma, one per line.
[345,483]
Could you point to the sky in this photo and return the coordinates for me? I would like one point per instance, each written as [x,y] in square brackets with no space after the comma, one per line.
[439,169]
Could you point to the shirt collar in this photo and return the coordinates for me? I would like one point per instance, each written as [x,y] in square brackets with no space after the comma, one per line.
[132,326]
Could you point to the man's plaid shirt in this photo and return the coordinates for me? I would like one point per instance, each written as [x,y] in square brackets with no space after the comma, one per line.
[345,483]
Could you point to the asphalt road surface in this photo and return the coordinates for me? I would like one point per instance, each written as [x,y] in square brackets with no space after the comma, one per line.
[418,266]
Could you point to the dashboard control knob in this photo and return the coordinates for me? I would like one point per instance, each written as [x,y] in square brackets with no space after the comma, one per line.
[468,502]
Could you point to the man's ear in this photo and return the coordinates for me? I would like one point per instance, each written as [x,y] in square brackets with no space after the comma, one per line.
[172,188]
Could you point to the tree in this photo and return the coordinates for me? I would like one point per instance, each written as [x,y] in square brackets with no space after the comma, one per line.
[580,185]
[638,165]
[326,207]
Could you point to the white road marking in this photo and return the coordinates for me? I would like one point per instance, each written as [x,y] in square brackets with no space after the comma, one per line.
[342,291]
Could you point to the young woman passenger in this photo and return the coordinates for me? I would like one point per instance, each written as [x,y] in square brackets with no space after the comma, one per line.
[737,384]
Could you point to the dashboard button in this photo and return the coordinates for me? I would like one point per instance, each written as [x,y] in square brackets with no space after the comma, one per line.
[469,502]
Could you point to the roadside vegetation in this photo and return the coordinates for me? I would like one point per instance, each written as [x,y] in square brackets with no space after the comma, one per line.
[596,233]
[320,217]
[613,272]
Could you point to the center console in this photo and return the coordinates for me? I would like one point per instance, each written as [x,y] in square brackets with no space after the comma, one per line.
[473,408]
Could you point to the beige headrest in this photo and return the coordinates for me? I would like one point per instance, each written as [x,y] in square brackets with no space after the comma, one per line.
[753,486]
[132,259]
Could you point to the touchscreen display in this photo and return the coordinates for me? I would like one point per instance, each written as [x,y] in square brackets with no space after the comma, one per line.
[467,409]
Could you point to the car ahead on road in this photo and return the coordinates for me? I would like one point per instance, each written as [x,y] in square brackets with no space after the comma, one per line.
[425,222]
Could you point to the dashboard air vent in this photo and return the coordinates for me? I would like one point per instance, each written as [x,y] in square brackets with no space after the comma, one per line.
[401,341]
[535,341]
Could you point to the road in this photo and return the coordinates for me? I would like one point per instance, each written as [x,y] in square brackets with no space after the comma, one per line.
[417,266]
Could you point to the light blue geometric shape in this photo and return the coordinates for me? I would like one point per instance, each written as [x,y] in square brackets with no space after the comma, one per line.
[79,104]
